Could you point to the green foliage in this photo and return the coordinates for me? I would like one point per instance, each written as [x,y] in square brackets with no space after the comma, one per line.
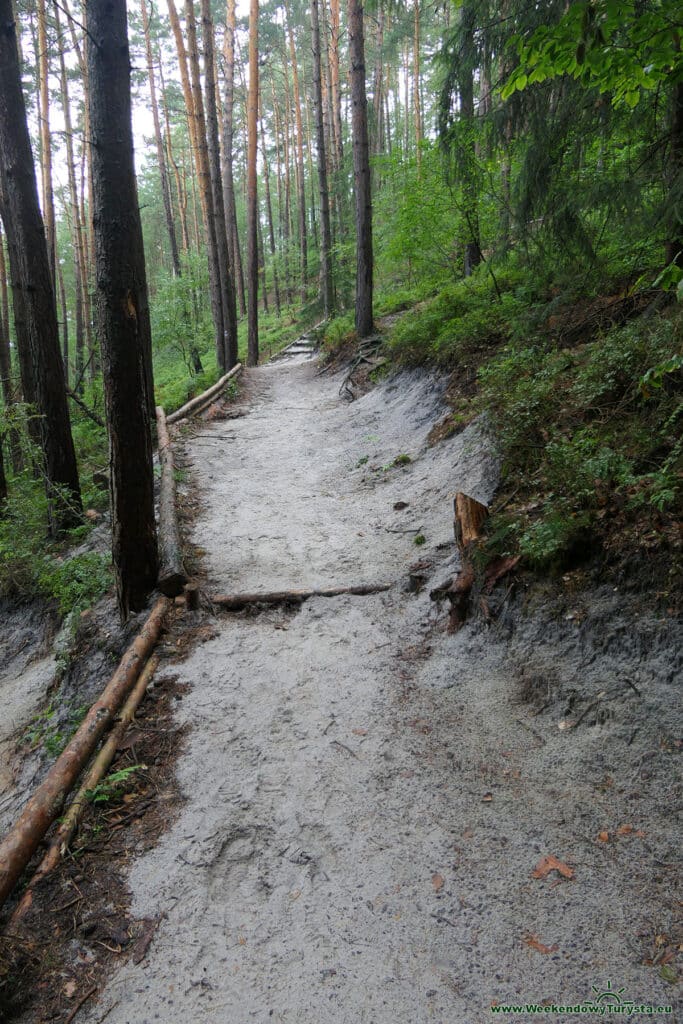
[51,733]
[581,432]
[73,583]
[77,582]
[623,48]
[339,333]
[461,319]
[22,534]
[416,221]
[113,785]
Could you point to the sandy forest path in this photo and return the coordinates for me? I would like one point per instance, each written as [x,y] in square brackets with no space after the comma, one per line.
[362,811]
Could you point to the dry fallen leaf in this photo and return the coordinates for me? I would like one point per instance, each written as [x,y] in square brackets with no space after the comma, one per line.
[624,830]
[603,837]
[550,863]
[437,882]
[531,940]
[487,798]
[69,989]
[359,732]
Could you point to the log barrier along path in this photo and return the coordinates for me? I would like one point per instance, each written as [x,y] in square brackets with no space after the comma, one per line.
[363,811]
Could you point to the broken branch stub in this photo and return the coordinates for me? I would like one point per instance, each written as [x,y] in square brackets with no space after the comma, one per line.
[470,516]
[23,839]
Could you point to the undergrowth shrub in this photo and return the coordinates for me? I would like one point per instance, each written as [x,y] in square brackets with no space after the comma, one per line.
[586,430]
[462,318]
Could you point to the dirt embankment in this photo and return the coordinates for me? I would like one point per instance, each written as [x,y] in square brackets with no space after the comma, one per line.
[370,801]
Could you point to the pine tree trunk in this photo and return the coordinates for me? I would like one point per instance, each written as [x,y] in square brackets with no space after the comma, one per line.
[262,267]
[3,481]
[326,282]
[33,287]
[269,208]
[6,361]
[473,255]
[674,245]
[77,243]
[282,200]
[309,156]
[181,195]
[87,257]
[334,77]
[194,106]
[161,156]
[218,252]
[123,311]
[226,281]
[252,198]
[361,171]
[300,180]
[45,135]
[65,324]
[417,105]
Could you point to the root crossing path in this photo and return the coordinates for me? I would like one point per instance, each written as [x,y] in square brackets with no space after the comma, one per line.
[359,832]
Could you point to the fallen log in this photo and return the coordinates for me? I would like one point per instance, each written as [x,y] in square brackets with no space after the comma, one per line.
[98,769]
[23,839]
[172,575]
[470,516]
[195,404]
[237,602]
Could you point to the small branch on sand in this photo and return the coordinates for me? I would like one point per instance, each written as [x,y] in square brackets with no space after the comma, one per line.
[237,602]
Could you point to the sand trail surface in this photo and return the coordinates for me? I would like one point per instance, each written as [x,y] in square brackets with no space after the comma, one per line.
[363,809]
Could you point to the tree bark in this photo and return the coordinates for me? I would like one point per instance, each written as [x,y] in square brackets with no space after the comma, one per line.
[6,362]
[3,480]
[43,56]
[161,156]
[65,324]
[417,105]
[326,282]
[222,250]
[77,243]
[181,194]
[269,208]
[252,198]
[228,155]
[32,284]
[282,195]
[473,256]
[237,602]
[334,76]
[674,245]
[361,171]
[300,180]
[123,309]
[218,254]
[88,244]
[194,106]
